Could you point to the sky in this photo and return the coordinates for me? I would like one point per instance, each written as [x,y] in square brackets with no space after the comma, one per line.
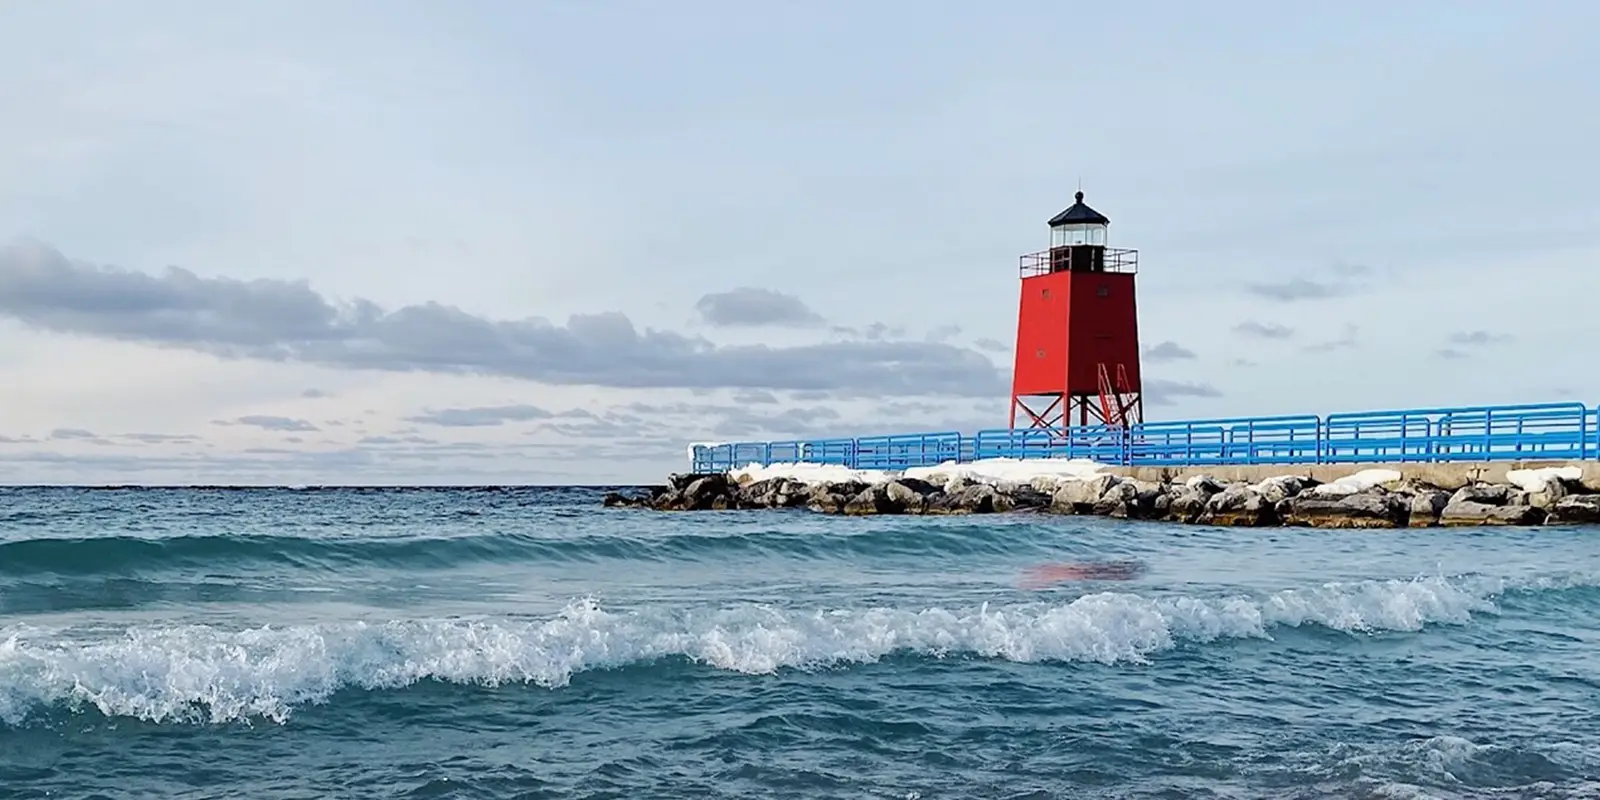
[414,242]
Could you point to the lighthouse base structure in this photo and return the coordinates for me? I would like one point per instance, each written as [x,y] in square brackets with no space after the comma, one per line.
[1058,412]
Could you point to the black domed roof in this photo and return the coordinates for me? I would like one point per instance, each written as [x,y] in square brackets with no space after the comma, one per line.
[1079,214]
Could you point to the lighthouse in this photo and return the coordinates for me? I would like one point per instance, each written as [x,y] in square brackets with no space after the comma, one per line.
[1077,355]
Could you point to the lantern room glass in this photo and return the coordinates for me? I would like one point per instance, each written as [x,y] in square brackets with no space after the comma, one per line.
[1076,234]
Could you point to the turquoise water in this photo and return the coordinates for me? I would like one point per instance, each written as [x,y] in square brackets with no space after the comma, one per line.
[527,643]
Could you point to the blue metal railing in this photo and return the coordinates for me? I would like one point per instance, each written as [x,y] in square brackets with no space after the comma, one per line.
[1540,431]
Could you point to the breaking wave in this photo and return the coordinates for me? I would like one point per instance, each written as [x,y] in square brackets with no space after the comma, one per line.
[207,674]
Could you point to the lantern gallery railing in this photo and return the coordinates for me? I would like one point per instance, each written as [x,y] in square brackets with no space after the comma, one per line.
[1549,431]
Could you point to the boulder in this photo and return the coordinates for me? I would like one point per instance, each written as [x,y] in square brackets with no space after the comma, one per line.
[1373,508]
[825,500]
[1488,494]
[619,500]
[714,492]
[1079,497]
[1239,506]
[1426,506]
[680,481]
[1029,498]
[1129,499]
[969,498]
[791,494]
[1283,487]
[759,494]
[909,496]
[1188,500]
[1575,509]
[872,500]
[1459,513]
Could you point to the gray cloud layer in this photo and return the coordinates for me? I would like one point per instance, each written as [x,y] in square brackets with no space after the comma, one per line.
[1168,351]
[288,321]
[754,307]
[1263,330]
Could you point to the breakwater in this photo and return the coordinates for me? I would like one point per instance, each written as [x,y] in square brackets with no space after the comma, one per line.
[1503,433]
[1395,497]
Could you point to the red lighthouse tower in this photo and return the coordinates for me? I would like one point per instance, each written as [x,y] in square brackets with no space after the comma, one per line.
[1077,329]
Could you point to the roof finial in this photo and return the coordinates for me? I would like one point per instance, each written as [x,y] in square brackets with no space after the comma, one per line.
[1079,195]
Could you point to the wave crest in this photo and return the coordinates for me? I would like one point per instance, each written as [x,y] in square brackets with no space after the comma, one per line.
[201,673]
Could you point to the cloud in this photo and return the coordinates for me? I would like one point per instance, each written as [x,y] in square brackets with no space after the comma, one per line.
[1297,289]
[876,332]
[1478,338]
[755,397]
[315,394]
[1168,351]
[268,422]
[1263,330]
[748,306]
[482,416]
[1345,341]
[159,438]
[72,434]
[274,320]
[1461,342]
[1158,392]
[992,345]
[943,333]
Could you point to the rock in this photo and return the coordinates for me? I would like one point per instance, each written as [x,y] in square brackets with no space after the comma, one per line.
[1547,494]
[1129,499]
[1575,509]
[1188,500]
[825,500]
[1426,506]
[1484,494]
[1079,497]
[1276,490]
[1373,508]
[907,496]
[1458,513]
[1029,498]
[971,498]
[619,500]
[1238,506]
[791,494]
[670,500]
[709,492]
[758,494]
[872,500]
[680,481]
[921,487]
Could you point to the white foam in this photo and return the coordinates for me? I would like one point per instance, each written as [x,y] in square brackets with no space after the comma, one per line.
[1034,471]
[201,673]
[1358,482]
[1536,480]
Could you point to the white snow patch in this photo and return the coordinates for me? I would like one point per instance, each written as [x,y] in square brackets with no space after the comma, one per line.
[808,473]
[1536,480]
[1275,480]
[693,445]
[1039,472]
[1358,482]
[1034,471]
